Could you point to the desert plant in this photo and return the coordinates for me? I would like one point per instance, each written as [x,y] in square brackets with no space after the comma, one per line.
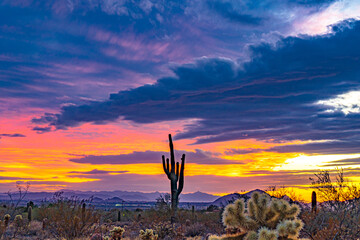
[116,233]
[66,218]
[165,230]
[29,210]
[313,202]
[4,224]
[337,216]
[148,234]
[175,174]
[19,224]
[264,218]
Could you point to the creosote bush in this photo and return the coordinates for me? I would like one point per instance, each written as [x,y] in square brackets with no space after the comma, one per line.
[262,219]
[67,218]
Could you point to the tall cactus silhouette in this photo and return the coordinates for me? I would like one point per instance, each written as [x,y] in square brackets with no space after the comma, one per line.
[175,174]
[313,202]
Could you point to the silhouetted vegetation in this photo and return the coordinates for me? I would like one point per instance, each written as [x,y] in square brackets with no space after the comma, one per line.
[175,174]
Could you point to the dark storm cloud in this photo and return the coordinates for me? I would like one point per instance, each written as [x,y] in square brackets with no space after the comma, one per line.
[271,97]
[198,157]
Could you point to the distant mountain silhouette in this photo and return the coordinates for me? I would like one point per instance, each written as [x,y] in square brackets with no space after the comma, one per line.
[197,197]
[225,200]
[99,196]
[115,199]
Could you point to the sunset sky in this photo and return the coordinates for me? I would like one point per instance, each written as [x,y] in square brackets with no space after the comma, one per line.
[256,93]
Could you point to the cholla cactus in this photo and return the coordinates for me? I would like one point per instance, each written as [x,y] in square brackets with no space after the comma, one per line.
[148,234]
[18,221]
[4,224]
[116,233]
[7,220]
[263,219]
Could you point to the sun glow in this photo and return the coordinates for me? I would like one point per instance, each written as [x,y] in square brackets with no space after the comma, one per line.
[347,103]
[305,162]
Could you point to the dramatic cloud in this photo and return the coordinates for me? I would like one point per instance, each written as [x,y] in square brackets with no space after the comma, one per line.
[273,97]
[49,47]
[207,70]
[198,157]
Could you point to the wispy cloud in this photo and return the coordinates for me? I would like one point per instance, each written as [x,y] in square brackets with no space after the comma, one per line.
[12,135]
[198,157]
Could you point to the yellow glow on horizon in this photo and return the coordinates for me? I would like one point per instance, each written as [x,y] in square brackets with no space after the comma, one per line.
[306,162]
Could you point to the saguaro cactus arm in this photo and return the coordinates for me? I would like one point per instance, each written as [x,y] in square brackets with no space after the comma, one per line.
[166,167]
[181,177]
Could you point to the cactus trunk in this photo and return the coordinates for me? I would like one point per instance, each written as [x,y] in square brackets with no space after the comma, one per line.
[29,213]
[313,202]
[175,174]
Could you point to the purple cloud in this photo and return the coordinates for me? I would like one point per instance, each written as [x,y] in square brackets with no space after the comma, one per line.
[198,157]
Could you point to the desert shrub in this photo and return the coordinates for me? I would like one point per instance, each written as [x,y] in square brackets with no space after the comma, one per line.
[165,230]
[338,216]
[263,218]
[148,234]
[68,218]
[196,229]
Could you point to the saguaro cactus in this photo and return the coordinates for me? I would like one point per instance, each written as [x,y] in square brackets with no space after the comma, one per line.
[29,213]
[313,202]
[175,174]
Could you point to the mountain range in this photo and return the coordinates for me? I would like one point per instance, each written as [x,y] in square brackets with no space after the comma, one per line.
[108,195]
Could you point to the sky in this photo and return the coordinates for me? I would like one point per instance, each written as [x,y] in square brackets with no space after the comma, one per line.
[255,93]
